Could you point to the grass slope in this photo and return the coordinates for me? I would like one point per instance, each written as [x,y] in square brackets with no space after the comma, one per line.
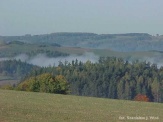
[16,106]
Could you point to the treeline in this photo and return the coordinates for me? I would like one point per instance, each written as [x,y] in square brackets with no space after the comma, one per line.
[110,78]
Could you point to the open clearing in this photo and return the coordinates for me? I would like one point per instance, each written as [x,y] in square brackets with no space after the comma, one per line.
[17,106]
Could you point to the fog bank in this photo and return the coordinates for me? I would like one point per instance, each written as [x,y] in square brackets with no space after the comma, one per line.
[44,61]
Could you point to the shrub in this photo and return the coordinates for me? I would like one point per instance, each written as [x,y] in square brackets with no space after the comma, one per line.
[7,87]
[45,83]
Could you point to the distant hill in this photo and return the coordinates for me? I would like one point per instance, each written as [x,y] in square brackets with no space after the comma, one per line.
[117,42]
[131,46]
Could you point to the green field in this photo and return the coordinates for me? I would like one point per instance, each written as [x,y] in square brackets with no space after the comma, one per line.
[16,106]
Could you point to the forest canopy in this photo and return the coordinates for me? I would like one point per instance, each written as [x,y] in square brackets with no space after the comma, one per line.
[110,78]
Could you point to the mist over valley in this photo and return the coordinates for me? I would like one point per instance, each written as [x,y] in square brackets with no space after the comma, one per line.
[44,61]
[50,49]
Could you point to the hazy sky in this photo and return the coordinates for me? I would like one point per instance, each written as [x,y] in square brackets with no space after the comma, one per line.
[19,17]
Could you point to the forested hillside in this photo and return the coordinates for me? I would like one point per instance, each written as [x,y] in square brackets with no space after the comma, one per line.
[110,78]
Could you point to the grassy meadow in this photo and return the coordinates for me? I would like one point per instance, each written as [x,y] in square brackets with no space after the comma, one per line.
[17,106]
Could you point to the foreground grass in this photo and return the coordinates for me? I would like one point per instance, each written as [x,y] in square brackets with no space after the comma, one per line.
[16,106]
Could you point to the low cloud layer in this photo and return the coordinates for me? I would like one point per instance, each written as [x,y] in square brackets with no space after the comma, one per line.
[155,60]
[44,61]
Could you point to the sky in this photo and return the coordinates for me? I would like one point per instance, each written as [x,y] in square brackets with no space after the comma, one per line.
[20,17]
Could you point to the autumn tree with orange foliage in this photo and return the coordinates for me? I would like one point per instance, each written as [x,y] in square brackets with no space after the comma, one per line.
[141,97]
